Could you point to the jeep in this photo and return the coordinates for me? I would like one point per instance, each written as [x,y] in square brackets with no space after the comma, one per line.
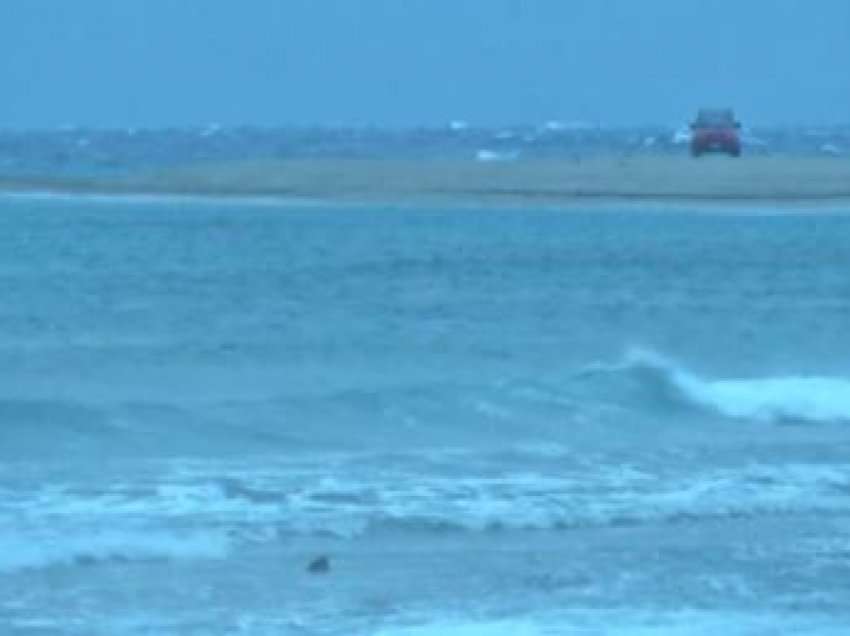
[715,130]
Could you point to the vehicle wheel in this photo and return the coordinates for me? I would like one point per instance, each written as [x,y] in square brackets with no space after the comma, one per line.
[735,153]
[696,152]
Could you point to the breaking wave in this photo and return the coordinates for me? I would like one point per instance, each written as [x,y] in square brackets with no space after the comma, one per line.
[643,385]
[792,398]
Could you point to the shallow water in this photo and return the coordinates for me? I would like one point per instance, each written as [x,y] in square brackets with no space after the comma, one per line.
[611,421]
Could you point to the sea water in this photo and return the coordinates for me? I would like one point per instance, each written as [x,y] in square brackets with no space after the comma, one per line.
[618,420]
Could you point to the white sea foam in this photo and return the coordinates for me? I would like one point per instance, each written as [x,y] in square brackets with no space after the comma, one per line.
[769,399]
[492,155]
[447,628]
[256,506]
[27,551]
[157,199]
[632,623]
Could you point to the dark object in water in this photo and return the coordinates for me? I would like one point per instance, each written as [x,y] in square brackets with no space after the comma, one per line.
[319,565]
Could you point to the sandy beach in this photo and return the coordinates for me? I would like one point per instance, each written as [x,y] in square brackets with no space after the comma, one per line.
[641,178]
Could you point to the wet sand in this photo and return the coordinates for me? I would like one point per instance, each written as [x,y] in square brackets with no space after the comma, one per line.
[642,178]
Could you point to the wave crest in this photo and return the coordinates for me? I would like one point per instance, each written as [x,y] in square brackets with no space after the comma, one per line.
[792,398]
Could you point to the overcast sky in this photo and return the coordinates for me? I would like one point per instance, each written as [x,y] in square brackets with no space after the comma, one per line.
[405,62]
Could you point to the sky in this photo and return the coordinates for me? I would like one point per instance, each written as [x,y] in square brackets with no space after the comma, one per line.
[399,63]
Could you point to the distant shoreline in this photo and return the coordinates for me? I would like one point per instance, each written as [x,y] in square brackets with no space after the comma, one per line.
[641,179]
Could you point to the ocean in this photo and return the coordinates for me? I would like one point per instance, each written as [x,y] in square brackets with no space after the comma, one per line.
[525,421]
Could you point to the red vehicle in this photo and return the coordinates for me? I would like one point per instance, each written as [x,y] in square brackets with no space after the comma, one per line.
[715,130]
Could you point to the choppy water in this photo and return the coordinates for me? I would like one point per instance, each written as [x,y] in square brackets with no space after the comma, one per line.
[494,422]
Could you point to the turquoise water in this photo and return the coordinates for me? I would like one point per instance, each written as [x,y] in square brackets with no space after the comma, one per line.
[524,421]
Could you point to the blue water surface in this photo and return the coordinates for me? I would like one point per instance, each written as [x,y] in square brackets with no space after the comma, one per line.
[587,420]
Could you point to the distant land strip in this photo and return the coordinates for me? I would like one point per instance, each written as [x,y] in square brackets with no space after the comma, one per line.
[721,179]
